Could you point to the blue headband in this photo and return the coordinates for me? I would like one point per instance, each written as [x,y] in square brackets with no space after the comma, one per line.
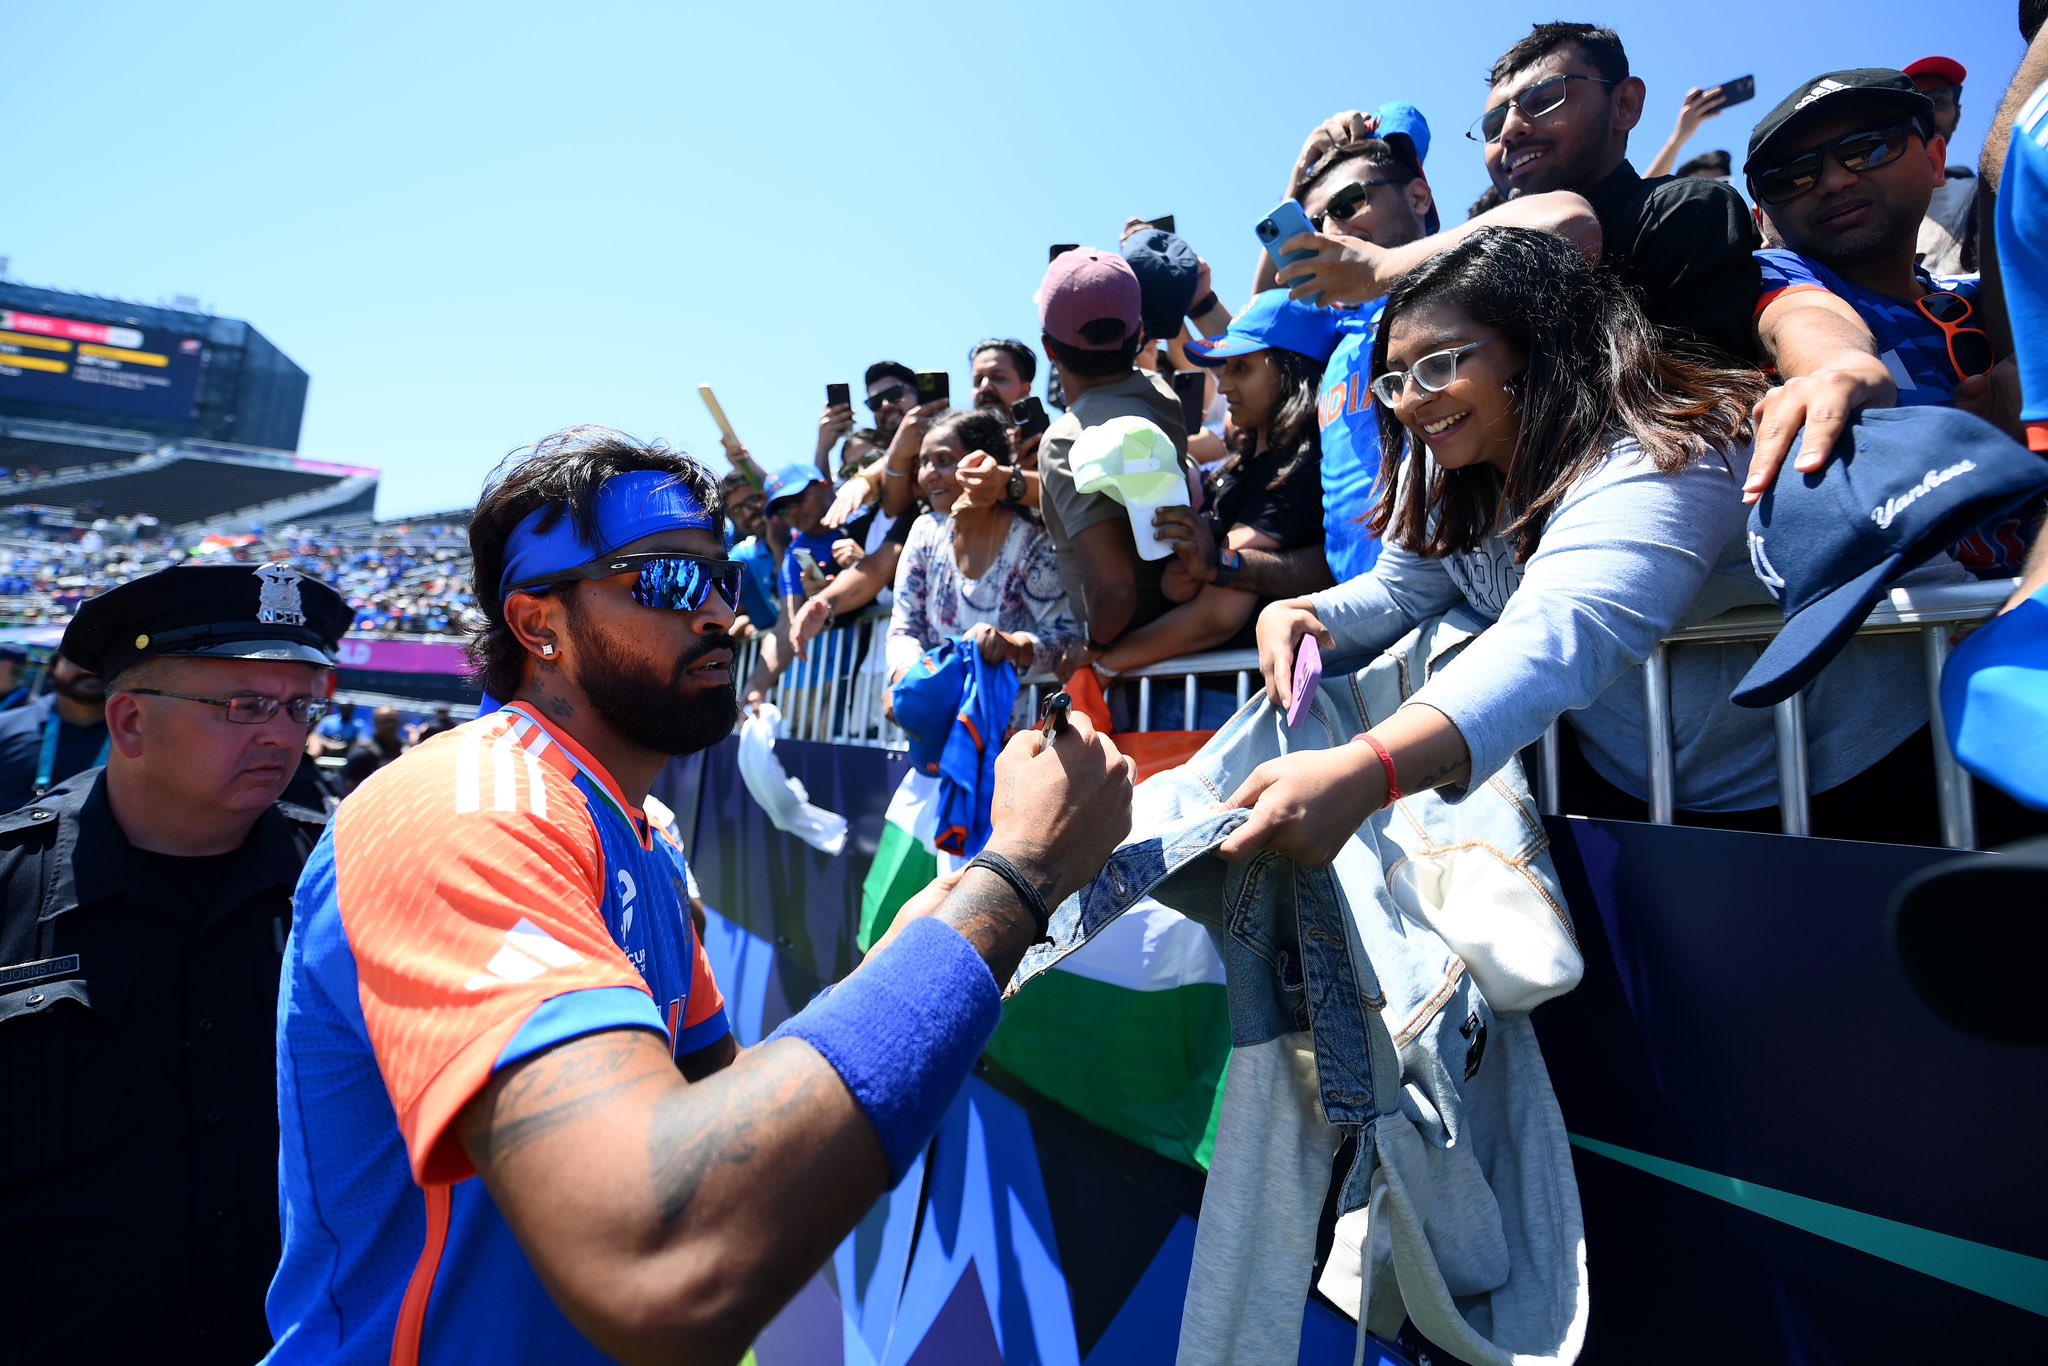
[629,506]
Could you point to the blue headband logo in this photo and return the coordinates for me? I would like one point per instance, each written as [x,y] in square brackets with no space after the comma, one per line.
[629,507]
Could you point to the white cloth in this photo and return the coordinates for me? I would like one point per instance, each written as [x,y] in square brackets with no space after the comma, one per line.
[785,799]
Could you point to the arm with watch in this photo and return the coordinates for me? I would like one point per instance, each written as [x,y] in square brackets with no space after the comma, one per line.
[1245,559]
[985,482]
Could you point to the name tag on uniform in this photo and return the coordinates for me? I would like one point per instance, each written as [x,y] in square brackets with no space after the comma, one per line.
[27,974]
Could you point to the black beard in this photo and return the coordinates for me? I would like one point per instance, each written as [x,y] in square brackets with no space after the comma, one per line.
[650,710]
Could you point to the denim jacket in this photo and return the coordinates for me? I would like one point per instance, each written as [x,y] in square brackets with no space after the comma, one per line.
[1394,959]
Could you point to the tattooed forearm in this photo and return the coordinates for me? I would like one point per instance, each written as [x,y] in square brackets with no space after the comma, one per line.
[695,1133]
[1448,773]
[987,912]
[560,1087]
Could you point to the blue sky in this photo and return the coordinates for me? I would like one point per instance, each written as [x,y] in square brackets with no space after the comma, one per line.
[474,224]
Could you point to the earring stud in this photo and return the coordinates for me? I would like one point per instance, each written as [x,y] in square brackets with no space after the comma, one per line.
[547,651]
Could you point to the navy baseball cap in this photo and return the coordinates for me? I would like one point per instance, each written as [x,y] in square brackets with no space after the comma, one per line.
[221,611]
[1166,267]
[1903,485]
[1272,320]
[789,481]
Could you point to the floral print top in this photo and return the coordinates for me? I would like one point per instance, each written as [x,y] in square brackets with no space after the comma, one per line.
[1020,594]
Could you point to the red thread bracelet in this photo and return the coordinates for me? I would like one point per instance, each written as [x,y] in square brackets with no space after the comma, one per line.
[1387,763]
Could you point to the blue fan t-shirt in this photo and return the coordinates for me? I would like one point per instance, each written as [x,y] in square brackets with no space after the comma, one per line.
[1909,343]
[1350,423]
[1915,350]
[2023,258]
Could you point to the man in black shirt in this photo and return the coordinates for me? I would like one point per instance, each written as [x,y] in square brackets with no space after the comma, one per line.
[143,915]
[1555,134]
[1558,118]
[365,757]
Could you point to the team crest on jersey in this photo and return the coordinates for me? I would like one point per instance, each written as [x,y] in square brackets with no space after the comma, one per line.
[279,603]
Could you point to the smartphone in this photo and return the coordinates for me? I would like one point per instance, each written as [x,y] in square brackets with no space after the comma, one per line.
[1192,387]
[1738,90]
[1286,221]
[1308,675]
[806,559]
[1163,224]
[933,386]
[1030,416]
[1059,249]
[838,396]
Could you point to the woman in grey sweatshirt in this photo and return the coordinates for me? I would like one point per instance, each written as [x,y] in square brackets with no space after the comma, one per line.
[1576,485]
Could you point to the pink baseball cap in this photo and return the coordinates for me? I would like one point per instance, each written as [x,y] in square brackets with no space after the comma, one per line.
[1084,286]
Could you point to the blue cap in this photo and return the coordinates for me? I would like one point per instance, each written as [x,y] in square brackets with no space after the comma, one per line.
[1273,320]
[1903,485]
[1994,690]
[791,480]
[1166,268]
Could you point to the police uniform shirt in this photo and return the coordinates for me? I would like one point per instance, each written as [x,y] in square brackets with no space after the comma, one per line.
[138,1159]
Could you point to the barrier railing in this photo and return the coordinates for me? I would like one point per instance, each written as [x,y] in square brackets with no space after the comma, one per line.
[836,695]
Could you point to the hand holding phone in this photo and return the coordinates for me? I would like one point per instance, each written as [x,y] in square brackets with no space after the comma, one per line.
[933,386]
[838,396]
[1737,91]
[1030,417]
[1308,675]
[1285,222]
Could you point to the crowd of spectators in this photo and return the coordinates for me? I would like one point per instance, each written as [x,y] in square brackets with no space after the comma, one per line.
[1616,364]
[401,579]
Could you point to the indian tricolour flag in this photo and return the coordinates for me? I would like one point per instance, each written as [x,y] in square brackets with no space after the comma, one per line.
[1130,1032]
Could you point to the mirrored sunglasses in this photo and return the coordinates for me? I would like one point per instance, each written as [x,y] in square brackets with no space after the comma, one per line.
[1856,152]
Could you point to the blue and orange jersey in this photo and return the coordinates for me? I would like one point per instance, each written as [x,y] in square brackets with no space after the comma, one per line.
[489,896]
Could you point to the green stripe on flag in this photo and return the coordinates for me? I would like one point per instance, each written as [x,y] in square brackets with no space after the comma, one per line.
[1147,1065]
[903,867]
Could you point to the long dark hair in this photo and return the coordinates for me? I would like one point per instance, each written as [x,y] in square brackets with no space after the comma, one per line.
[1597,371]
[1297,434]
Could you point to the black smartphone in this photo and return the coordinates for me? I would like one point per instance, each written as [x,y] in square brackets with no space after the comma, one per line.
[1738,90]
[1030,416]
[1163,224]
[838,396]
[1059,249]
[933,386]
[1192,386]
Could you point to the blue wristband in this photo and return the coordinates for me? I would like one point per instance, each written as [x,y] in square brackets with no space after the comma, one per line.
[904,1032]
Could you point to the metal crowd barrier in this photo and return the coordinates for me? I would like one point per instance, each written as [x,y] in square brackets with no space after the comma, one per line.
[838,693]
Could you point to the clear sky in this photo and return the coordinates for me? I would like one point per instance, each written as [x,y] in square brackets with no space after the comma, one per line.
[476,223]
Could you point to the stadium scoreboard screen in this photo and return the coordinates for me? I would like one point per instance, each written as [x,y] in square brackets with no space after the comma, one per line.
[114,369]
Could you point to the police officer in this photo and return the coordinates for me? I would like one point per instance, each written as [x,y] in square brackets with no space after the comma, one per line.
[143,914]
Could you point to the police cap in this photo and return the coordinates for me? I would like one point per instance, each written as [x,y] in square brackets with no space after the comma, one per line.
[222,611]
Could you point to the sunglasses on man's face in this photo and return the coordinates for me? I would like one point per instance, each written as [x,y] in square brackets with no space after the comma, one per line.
[1348,202]
[666,581]
[889,395]
[1857,152]
[1969,348]
[1544,97]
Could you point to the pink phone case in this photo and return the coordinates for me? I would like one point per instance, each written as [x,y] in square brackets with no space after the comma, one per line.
[1308,672]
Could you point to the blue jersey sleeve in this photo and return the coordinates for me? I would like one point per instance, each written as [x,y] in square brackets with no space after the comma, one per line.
[1782,270]
[2022,236]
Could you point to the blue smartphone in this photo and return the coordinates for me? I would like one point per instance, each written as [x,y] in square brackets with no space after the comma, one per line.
[1285,222]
